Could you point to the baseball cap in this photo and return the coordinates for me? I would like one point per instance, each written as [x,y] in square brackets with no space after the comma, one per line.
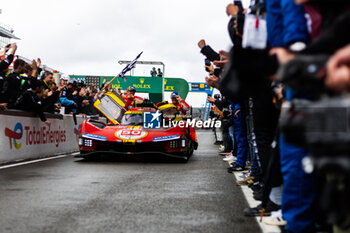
[131,88]
[174,94]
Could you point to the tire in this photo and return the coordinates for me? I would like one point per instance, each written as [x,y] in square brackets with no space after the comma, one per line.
[190,149]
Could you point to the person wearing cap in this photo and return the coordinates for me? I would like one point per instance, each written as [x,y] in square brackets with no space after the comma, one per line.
[130,99]
[180,104]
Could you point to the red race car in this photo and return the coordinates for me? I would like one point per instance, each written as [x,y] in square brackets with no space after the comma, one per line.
[141,130]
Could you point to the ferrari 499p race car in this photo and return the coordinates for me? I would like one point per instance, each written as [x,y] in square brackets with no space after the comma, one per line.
[128,133]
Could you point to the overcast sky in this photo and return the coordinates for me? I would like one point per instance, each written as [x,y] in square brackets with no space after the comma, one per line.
[90,36]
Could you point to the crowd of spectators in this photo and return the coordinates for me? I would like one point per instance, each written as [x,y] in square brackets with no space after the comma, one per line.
[27,87]
[266,37]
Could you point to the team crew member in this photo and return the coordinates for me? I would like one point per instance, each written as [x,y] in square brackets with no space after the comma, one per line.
[30,101]
[180,104]
[47,79]
[130,99]
[12,83]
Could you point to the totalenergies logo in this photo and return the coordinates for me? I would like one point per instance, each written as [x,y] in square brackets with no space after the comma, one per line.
[15,135]
[35,135]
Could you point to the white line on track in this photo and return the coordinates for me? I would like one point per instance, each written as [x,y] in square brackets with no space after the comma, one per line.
[253,203]
[36,161]
[248,193]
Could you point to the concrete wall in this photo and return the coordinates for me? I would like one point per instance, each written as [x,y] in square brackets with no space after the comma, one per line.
[24,136]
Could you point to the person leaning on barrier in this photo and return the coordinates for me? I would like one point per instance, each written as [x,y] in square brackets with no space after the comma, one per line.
[30,101]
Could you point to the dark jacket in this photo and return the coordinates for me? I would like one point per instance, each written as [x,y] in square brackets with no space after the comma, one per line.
[210,53]
[333,38]
[11,88]
[29,101]
[4,64]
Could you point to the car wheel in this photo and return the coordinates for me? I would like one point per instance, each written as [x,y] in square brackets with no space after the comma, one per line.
[190,149]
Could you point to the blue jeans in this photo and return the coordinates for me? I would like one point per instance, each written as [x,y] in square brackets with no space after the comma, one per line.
[299,188]
[232,135]
[241,139]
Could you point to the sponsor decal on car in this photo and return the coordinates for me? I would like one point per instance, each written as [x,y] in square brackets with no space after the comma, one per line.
[165,138]
[130,134]
[95,137]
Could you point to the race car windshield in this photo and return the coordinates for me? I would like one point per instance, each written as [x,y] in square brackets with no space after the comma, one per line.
[170,113]
[132,119]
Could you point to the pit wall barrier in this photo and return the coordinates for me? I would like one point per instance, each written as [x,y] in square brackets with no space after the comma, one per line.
[24,136]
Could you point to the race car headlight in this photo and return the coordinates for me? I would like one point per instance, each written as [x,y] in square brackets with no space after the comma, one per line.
[88,142]
[81,141]
[174,144]
[183,142]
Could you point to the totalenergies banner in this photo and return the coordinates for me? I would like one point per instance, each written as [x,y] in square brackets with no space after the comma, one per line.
[24,137]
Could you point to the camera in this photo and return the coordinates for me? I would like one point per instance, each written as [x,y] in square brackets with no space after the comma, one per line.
[322,127]
[305,74]
[207,63]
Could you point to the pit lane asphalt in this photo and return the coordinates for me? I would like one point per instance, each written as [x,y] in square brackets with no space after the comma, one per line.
[124,195]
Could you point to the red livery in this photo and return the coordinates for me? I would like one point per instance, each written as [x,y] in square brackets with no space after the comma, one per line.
[130,137]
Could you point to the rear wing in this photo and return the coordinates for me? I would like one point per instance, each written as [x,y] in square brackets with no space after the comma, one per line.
[112,106]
